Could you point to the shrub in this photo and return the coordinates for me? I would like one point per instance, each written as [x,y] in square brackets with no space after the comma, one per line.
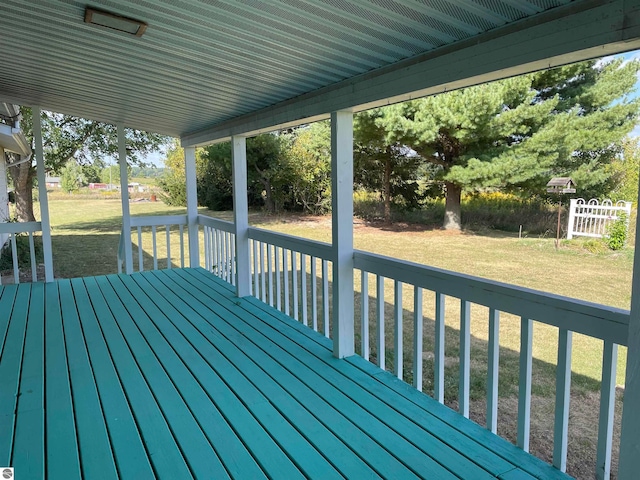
[24,254]
[617,232]
[496,211]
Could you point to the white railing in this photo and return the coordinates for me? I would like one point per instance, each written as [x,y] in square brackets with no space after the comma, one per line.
[592,218]
[288,273]
[173,226]
[292,274]
[219,247]
[14,229]
[569,315]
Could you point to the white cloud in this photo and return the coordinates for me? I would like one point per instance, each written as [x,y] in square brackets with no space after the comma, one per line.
[636,131]
[606,59]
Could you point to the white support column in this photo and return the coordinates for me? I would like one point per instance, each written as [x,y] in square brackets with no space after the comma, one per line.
[629,463]
[124,194]
[241,215]
[192,206]
[342,232]
[42,192]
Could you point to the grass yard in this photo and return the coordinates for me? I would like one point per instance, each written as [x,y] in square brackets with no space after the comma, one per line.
[85,241]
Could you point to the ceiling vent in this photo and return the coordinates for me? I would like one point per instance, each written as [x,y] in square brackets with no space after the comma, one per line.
[114,22]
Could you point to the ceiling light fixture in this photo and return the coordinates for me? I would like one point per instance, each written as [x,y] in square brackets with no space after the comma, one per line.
[114,22]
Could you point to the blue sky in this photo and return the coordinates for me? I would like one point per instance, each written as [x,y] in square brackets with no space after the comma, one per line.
[635,55]
[157,158]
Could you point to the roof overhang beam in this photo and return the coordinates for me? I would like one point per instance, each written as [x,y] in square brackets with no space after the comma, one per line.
[579,31]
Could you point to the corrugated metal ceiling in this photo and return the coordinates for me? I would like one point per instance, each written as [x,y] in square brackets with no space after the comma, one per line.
[203,62]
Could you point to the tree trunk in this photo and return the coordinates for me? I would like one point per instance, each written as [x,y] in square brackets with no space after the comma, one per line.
[269,203]
[22,177]
[386,191]
[452,206]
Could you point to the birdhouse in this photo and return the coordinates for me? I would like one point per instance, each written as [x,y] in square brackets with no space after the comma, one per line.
[561,185]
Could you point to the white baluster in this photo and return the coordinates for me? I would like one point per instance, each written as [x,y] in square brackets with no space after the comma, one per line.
[364,314]
[607,410]
[563,398]
[417,337]
[140,251]
[32,254]
[397,318]
[325,298]
[380,320]
[294,283]
[492,370]
[155,247]
[276,254]
[465,357]
[303,288]
[438,387]
[314,294]
[168,228]
[524,385]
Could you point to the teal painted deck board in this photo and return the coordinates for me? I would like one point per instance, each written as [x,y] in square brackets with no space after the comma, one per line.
[392,386]
[156,434]
[273,387]
[10,370]
[128,449]
[94,445]
[428,406]
[167,374]
[380,459]
[307,458]
[431,408]
[195,447]
[28,447]
[353,399]
[7,297]
[234,410]
[62,441]
[236,458]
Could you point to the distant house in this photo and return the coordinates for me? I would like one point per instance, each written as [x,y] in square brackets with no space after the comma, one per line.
[53,182]
[98,186]
[135,187]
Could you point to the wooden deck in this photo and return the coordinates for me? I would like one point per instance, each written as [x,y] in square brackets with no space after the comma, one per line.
[167,374]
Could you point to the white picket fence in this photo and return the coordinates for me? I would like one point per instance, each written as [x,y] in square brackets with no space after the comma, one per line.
[591,219]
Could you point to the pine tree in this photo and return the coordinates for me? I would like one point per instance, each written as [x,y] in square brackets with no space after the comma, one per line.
[517,133]
[382,164]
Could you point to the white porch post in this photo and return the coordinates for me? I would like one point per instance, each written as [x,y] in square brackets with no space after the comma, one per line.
[241,215]
[192,205]
[42,193]
[342,232]
[629,464]
[124,195]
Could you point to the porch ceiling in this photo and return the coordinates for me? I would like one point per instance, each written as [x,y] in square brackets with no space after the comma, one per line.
[201,64]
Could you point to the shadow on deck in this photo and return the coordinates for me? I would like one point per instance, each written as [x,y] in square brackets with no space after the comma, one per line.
[167,374]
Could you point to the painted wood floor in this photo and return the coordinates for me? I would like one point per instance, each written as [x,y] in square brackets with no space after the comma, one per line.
[167,374]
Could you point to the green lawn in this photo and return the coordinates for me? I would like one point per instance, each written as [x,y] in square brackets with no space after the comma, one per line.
[85,240]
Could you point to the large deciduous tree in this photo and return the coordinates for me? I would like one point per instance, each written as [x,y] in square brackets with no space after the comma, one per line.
[519,132]
[66,137]
[308,167]
[213,170]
